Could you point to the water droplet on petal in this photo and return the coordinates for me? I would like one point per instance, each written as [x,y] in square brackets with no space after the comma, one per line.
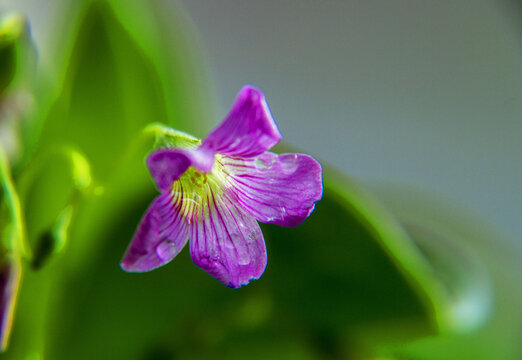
[166,250]
[289,163]
[260,164]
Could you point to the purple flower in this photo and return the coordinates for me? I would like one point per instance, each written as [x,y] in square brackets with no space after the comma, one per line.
[215,192]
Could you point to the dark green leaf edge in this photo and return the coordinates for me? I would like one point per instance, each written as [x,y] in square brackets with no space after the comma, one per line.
[395,241]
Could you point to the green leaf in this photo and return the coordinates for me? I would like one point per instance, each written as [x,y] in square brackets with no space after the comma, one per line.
[10,29]
[476,264]
[12,226]
[346,280]
[17,56]
[50,190]
[352,270]
[16,50]
[12,247]
[116,69]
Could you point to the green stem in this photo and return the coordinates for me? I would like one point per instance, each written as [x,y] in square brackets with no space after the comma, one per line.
[16,241]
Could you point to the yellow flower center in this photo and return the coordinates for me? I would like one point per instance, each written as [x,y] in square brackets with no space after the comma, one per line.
[195,192]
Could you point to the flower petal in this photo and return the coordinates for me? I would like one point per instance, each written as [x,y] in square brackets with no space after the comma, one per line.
[248,130]
[227,243]
[161,235]
[167,166]
[278,189]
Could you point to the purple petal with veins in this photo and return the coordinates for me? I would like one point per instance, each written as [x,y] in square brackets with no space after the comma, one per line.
[248,130]
[277,189]
[227,243]
[167,166]
[161,235]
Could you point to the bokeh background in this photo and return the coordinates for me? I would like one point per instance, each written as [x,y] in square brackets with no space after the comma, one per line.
[424,93]
[414,108]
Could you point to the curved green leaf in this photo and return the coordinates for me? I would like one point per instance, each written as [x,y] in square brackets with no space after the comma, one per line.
[333,287]
[478,267]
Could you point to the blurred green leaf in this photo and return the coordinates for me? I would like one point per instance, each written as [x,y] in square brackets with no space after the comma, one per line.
[348,283]
[17,56]
[12,225]
[10,30]
[331,289]
[12,247]
[111,92]
[479,267]
[50,191]
[107,85]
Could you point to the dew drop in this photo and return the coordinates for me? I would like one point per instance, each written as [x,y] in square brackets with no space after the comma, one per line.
[166,250]
[289,163]
[260,164]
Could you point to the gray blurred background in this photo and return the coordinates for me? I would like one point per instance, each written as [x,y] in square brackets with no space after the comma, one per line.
[422,93]
[427,93]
